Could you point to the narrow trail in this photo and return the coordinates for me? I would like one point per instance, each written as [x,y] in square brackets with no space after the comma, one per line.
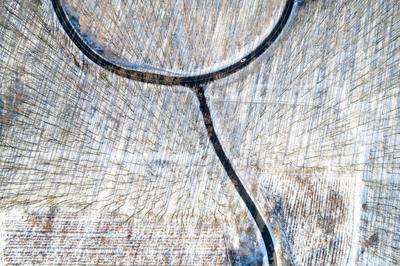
[197,84]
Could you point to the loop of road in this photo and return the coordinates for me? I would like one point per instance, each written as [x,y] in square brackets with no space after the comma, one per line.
[168,78]
[196,83]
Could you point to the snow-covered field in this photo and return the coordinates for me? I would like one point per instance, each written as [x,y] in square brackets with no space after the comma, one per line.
[312,127]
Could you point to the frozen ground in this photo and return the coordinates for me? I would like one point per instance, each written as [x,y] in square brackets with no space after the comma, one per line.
[181,36]
[312,127]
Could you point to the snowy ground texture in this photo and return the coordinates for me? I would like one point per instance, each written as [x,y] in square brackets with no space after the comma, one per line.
[312,127]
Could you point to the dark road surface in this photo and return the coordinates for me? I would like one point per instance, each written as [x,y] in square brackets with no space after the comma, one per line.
[196,83]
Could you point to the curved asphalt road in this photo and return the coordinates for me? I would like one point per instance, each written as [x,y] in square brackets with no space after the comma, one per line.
[196,83]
